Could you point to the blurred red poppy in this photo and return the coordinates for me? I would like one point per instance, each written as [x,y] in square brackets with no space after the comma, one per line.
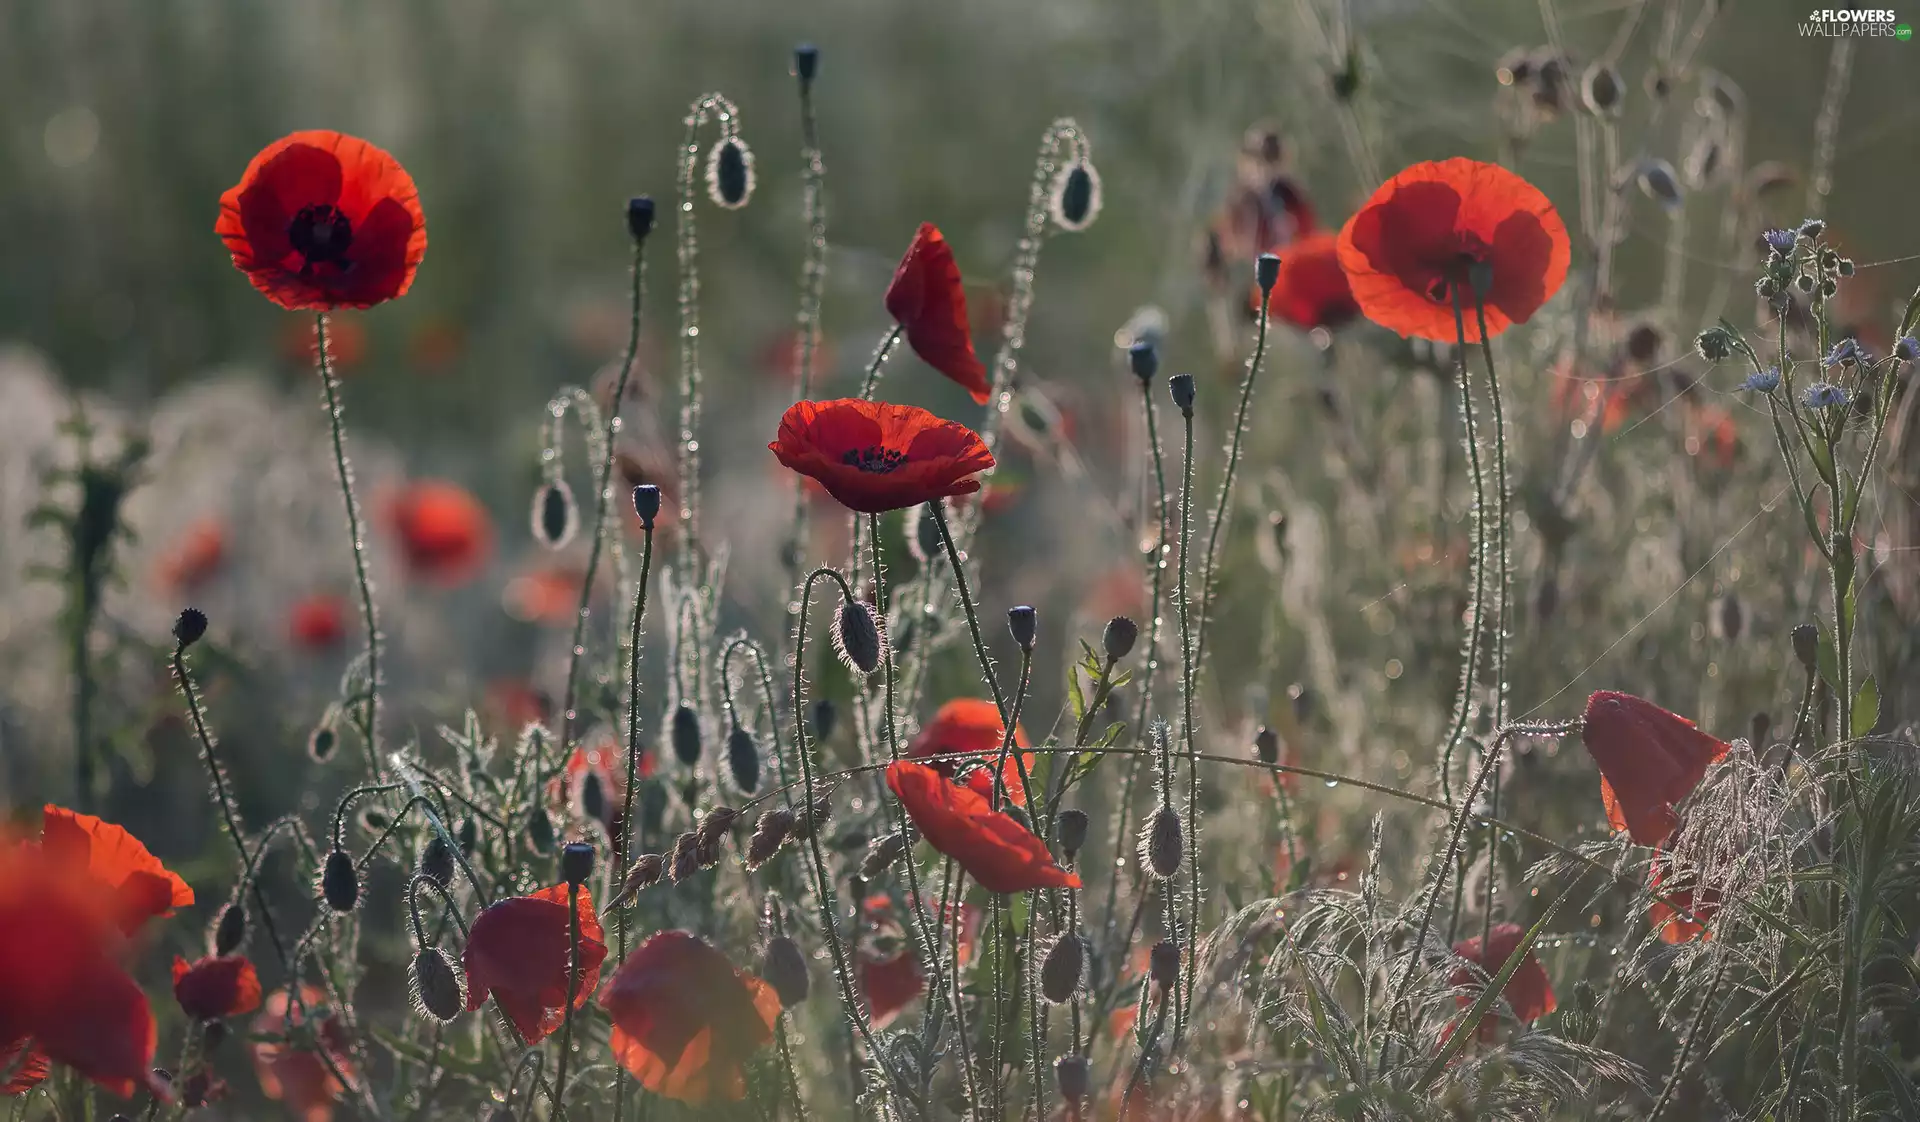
[65,996]
[518,951]
[1676,891]
[317,622]
[322,220]
[297,1076]
[685,1021]
[1609,400]
[1528,991]
[926,297]
[516,704]
[875,457]
[548,594]
[1712,436]
[886,968]
[990,845]
[782,354]
[445,534]
[1649,759]
[970,726]
[213,988]
[1312,290]
[137,886]
[193,557]
[435,345]
[1428,230]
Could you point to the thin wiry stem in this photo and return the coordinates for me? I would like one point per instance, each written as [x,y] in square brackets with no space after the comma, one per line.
[1503,603]
[623,845]
[938,506]
[1189,747]
[813,279]
[370,705]
[557,1092]
[1223,504]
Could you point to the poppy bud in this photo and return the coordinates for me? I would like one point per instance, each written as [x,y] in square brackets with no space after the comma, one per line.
[653,807]
[784,968]
[806,61]
[729,173]
[593,797]
[1828,289]
[437,988]
[1757,735]
[1023,621]
[436,861]
[212,1035]
[770,832]
[189,626]
[554,514]
[1075,200]
[1119,637]
[1019,814]
[1163,844]
[1806,646]
[340,882]
[640,217]
[643,874]
[322,741]
[686,857]
[743,760]
[1714,344]
[1729,616]
[468,835]
[1602,90]
[1266,745]
[231,930]
[1070,830]
[576,863]
[539,830]
[1144,360]
[856,636]
[925,542]
[1163,964]
[882,853]
[686,735]
[1060,971]
[1657,182]
[826,717]
[646,504]
[1181,386]
[1074,1078]
[1266,272]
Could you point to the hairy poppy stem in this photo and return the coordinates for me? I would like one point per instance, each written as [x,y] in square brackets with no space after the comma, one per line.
[966,603]
[1503,603]
[813,279]
[370,705]
[1223,504]
[557,1091]
[871,382]
[623,845]
[1470,661]
[1184,601]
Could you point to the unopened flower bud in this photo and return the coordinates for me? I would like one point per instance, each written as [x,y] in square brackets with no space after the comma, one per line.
[1024,623]
[1758,730]
[881,854]
[1119,637]
[189,626]
[323,740]
[436,860]
[1714,344]
[437,987]
[856,636]
[1162,844]
[640,217]
[925,543]
[1060,971]
[1070,830]
[1266,745]
[1018,814]
[1657,182]
[1806,646]
[340,881]
[826,718]
[730,173]
[1144,360]
[784,968]
[1163,963]
[231,930]
[555,516]
[1266,272]
[1074,201]
[1181,386]
[1602,90]
[468,835]
[576,863]
[743,760]
[806,61]
[646,504]
[1074,1078]
[685,735]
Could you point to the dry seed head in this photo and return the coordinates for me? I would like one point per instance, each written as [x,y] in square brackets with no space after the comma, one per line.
[856,636]
[576,863]
[1162,844]
[882,853]
[1061,970]
[646,504]
[743,760]
[555,515]
[769,834]
[640,220]
[643,874]
[189,626]
[1119,637]
[1074,201]
[1806,645]
[438,990]
[686,856]
[730,173]
[340,882]
[785,969]
[1024,623]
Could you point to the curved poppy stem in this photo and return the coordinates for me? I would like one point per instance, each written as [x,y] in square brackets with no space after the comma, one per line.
[1470,662]
[938,506]
[330,390]
[1503,602]
[557,1091]
[623,845]
[687,247]
[881,353]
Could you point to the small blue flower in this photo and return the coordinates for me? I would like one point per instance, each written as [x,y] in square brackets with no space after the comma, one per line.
[1781,240]
[1845,353]
[1907,349]
[1764,381]
[1822,395]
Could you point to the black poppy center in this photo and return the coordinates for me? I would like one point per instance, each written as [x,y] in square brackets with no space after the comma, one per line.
[1471,269]
[321,234]
[874,459]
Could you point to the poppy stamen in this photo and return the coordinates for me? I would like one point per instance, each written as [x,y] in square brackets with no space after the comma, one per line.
[322,234]
[875,459]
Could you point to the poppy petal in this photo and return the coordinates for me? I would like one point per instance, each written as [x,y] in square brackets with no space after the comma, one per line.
[874,457]
[930,303]
[991,846]
[1649,760]
[143,887]
[214,988]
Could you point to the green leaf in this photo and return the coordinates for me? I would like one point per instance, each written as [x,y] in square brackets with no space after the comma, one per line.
[1074,697]
[1866,708]
[1463,1032]
[1828,661]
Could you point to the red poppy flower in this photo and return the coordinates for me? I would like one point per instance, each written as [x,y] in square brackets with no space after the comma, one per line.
[64,995]
[606,762]
[990,845]
[213,988]
[1431,227]
[549,594]
[445,534]
[1312,290]
[517,951]
[1673,887]
[1528,991]
[296,1076]
[322,220]
[685,1021]
[137,885]
[517,704]
[971,727]
[927,299]
[886,968]
[875,457]
[194,557]
[317,622]
[1609,400]
[1649,759]
[1712,436]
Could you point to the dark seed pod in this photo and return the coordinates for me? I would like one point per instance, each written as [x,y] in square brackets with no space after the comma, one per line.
[770,832]
[646,504]
[881,854]
[639,217]
[1144,360]
[1070,830]
[469,836]
[1061,970]
[685,735]
[1266,272]
[743,760]
[373,819]
[730,173]
[785,969]
[856,636]
[1024,623]
[1162,845]
[642,875]
[576,863]
[826,718]
[1181,386]
[1729,617]
[1075,1080]
[1119,637]
[1806,645]
[686,856]
[1075,199]
[1019,814]
[436,861]
[540,830]
[1602,90]
[438,989]
[1163,965]
[323,740]
[555,517]
[1761,726]
[806,61]
[189,626]
[593,797]
[340,882]
[1266,745]
[212,1035]
[231,929]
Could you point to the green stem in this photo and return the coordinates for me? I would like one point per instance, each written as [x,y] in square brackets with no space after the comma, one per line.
[623,845]
[938,506]
[1183,601]
[557,1092]
[1223,504]
[370,705]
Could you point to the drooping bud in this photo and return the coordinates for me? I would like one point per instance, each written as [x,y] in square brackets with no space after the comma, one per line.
[784,968]
[1266,745]
[806,61]
[1019,814]
[1806,646]
[743,760]
[646,505]
[438,990]
[1024,623]
[925,543]
[1074,201]
[685,734]
[1061,970]
[189,626]
[1162,844]
[856,636]
[1181,386]
[1070,830]
[231,929]
[555,517]
[639,217]
[1075,1080]
[881,854]
[436,861]
[340,882]
[1602,90]
[1119,637]
[468,836]
[643,874]
[1163,963]
[540,830]
[770,832]
[593,797]
[576,863]
[1760,727]
[730,173]
[1144,360]
[826,718]
[323,740]
[1266,273]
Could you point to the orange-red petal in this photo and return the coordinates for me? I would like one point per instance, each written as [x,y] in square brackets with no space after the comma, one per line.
[213,988]
[875,457]
[142,888]
[685,1021]
[518,952]
[927,298]
[991,846]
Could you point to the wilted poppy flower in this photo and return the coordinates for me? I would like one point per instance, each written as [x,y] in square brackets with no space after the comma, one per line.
[518,951]
[64,995]
[296,1076]
[1312,289]
[134,882]
[1457,224]
[1676,891]
[317,622]
[322,220]
[875,457]
[1649,759]
[685,1021]
[970,726]
[445,534]
[1527,991]
[927,299]
[212,988]
[990,845]
[193,557]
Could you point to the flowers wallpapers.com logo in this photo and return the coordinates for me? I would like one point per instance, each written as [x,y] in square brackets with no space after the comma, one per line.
[1867,22]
